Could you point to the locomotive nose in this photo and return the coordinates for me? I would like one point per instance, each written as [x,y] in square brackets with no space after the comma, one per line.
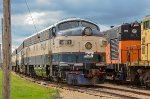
[88,46]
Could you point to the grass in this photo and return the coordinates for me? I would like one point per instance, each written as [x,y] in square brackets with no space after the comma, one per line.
[40,72]
[23,89]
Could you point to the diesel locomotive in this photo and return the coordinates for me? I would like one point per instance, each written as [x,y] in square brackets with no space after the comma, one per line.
[72,50]
[121,49]
[127,52]
[140,69]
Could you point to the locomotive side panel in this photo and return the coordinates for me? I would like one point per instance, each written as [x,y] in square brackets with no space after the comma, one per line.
[123,52]
[36,53]
[127,52]
[145,42]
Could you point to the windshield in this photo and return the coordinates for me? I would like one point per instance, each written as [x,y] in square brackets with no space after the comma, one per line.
[68,25]
[88,24]
[77,58]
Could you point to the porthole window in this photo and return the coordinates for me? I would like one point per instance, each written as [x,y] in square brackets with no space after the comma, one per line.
[88,45]
[146,25]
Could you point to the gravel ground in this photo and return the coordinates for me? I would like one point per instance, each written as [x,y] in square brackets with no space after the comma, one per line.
[126,87]
[68,94]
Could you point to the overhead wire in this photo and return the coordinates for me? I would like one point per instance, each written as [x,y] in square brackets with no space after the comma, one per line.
[31,16]
[57,96]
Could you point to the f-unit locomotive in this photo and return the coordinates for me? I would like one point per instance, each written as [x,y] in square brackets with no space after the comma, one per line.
[72,50]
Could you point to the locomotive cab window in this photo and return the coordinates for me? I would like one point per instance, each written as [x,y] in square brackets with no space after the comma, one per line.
[54,31]
[88,24]
[146,25]
[68,25]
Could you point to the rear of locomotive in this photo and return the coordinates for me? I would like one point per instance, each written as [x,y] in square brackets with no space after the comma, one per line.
[79,52]
[119,51]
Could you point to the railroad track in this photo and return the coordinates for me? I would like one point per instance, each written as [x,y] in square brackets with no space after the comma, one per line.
[126,90]
[97,90]
[122,93]
[103,93]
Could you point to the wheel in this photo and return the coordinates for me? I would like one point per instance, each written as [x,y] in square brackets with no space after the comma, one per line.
[137,79]
[147,82]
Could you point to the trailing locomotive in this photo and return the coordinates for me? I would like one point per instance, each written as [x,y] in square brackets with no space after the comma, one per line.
[72,50]
[140,69]
[120,39]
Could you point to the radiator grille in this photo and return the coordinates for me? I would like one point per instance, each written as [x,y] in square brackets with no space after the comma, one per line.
[114,48]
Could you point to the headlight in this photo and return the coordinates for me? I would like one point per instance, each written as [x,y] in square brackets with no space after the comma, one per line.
[134,31]
[88,31]
[88,45]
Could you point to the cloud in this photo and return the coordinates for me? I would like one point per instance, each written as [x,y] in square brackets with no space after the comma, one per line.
[22,24]
[40,19]
[43,1]
[46,12]
[104,11]
[34,17]
[103,27]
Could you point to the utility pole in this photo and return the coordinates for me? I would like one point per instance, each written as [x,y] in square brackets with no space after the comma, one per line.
[6,49]
[2,42]
[0,55]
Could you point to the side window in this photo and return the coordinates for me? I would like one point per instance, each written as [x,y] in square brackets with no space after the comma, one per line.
[143,39]
[50,33]
[53,31]
[143,49]
[146,25]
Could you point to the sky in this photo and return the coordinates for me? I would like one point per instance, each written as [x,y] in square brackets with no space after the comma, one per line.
[104,13]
